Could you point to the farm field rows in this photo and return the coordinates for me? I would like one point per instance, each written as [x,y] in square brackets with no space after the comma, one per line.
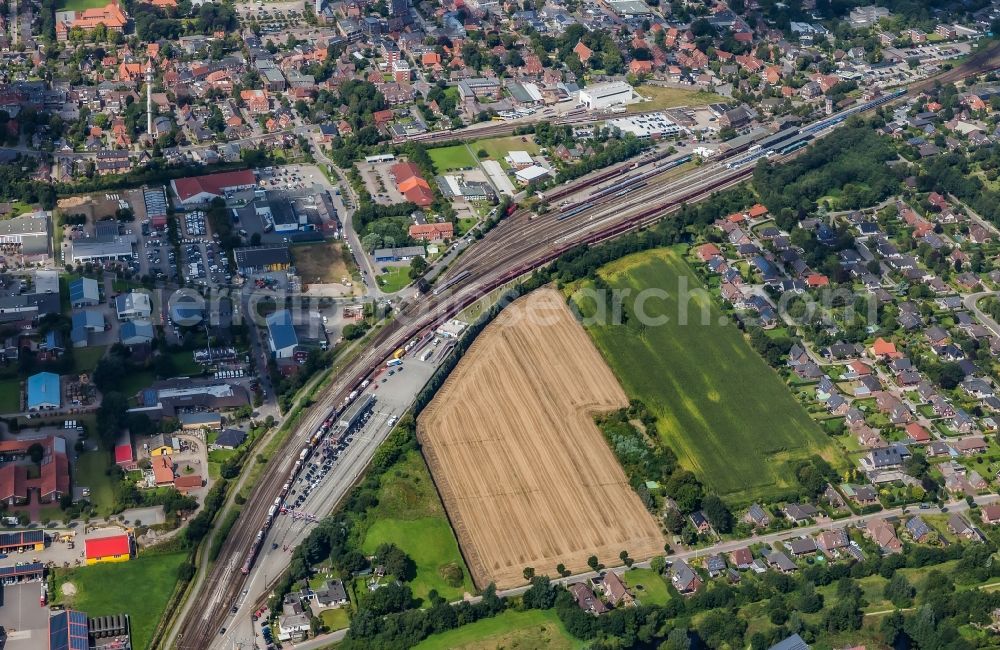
[723,410]
[523,470]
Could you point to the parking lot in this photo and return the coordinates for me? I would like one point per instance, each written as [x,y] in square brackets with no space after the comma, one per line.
[26,622]
[301,184]
[379,182]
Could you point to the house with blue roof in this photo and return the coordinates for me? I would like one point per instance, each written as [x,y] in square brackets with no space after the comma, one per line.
[85,322]
[44,391]
[53,342]
[918,529]
[136,332]
[186,310]
[84,292]
[281,334]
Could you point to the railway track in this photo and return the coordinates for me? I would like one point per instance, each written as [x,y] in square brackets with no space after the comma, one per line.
[518,245]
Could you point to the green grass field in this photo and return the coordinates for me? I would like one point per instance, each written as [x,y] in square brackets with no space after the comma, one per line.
[135,382]
[648,587]
[10,396]
[723,410]
[454,157]
[661,97]
[139,588]
[80,5]
[529,630]
[86,358]
[185,364]
[91,471]
[394,279]
[410,515]
[497,148]
[335,619]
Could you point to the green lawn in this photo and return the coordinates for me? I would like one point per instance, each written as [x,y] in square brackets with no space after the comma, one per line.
[139,588]
[464,225]
[80,5]
[661,97]
[86,358]
[410,515]
[497,148]
[10,396]
[185,364]
[394,279]
[215,459]
[135,382]
[529,630]
[450,158]
[91,471]
[648,587]
[723,410]
[335,619]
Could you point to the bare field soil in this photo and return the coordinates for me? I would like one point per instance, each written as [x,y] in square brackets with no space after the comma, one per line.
[524,473]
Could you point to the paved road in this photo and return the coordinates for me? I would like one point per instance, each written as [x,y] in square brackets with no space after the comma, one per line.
[721,547]
[971,302]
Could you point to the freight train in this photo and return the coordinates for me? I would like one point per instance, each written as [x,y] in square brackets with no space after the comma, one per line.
[322,436]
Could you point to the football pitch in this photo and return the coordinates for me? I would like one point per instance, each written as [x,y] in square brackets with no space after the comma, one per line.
[720,407]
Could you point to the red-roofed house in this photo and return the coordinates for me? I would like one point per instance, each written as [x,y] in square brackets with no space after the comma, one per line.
[757,210]
[817,280]
[583,52]
[432,231]
[883,349]
[163,470]
[706,252]
[195,190]
[990,513]
[116,548]
[640,67]
[188,482]
[13,484]
[124,455]
[917,433]
[742,558]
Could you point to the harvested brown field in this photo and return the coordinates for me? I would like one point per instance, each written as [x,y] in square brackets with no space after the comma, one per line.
[524,473]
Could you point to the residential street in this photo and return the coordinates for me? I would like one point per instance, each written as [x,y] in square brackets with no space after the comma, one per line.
[721,547]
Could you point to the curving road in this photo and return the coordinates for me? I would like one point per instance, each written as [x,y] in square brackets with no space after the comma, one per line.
[517,245]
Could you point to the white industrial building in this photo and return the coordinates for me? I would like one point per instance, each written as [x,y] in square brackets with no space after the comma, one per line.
[653,125]
[605,95]
[531,174]
[97,250]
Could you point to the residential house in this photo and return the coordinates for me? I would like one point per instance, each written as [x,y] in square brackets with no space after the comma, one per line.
[801,513]
[586,600]
[684,579]
[918,529]
[615,590]
[882,533]
[831,541]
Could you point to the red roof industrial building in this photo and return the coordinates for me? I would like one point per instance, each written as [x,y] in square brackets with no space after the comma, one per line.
[411,184]
[202,189]
[100,549]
